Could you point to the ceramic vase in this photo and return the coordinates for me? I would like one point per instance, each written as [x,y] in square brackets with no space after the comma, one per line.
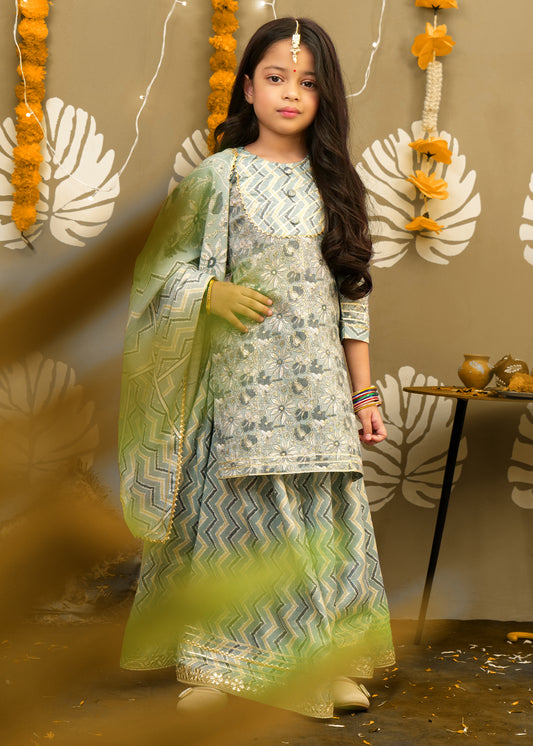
[506,368]
[475,371]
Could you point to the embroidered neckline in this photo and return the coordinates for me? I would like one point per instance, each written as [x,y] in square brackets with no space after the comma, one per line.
[291,164]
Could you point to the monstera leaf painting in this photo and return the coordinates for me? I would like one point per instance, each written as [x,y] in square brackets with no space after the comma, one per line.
[520,473]
[194,150]
[77,191]
[526,229]
[46,421]
[393,201]
[410,463]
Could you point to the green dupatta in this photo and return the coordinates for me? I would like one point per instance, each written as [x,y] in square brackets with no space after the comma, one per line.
[166,366]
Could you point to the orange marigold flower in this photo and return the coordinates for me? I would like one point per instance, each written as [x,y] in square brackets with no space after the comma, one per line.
[25,177]
[24,216]
[28,131]
[435,148]
[22,109]
[34,92]
[36,53]
[224,22]
[226,42]
[32,31]
[26,195]
[34,8]
[223,60]
[436,4]
[435,41]
[222,79]
[213,120]
[32,73]
[218,100]
[429,185]
[421,223]
[30,153]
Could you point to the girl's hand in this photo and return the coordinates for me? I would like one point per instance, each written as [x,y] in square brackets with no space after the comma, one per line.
[228,299]
[373,430]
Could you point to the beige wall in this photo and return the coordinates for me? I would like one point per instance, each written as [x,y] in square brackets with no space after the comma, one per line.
[68,301]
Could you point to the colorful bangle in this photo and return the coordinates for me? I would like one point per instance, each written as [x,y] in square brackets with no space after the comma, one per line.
[364,398]
[208,296]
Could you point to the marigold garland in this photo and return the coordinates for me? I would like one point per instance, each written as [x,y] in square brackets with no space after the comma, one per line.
[27,155]
[223,64]
[427,47]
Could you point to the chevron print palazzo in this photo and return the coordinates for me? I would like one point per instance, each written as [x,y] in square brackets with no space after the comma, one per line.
[306,541]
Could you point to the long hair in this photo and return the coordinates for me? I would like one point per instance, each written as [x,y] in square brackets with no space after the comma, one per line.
[346,245]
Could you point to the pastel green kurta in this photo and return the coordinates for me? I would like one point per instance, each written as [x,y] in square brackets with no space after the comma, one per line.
[295,552]
[282,393]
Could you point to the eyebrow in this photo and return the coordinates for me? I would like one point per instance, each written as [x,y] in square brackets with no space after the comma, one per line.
[284,70]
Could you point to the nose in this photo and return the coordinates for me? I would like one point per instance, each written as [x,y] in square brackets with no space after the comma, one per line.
[291,91]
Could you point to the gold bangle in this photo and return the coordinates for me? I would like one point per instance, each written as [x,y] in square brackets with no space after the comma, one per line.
[208,296]
[366,406]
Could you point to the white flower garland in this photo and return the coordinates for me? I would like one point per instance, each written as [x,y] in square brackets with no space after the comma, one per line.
[432,100]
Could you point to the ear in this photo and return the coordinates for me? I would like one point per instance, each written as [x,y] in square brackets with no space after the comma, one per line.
[248,89]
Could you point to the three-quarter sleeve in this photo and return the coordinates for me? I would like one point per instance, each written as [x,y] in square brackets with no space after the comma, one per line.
[354,319]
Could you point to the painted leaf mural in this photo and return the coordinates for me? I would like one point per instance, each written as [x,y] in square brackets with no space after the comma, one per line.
[520,473]
[410,463]
[393,201]
[46,421]
[194,150]
[526,228]
[77,163]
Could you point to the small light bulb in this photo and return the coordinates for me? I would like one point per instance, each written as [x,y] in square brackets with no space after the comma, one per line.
[374,44]
[28,113]
[141,97]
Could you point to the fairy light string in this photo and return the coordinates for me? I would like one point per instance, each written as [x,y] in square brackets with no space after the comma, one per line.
[144,98]
[264,3]
[375,47]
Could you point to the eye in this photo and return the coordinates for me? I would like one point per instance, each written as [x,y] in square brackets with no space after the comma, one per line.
[274,78]
[311,84]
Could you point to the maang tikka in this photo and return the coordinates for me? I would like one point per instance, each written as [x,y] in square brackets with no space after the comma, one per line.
[295,45]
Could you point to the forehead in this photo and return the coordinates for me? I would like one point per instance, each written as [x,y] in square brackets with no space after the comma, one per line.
[279,55]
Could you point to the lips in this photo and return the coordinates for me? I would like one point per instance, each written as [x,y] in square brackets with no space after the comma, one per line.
[288,112]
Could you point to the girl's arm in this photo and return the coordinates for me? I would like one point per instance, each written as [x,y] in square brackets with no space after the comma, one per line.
[358,362]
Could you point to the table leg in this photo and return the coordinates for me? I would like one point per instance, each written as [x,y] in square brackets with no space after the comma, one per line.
[453,449]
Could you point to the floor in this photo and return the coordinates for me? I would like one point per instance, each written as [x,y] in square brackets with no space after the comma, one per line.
[60,684]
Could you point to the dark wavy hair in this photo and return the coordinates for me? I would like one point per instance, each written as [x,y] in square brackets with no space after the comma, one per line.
[346,245]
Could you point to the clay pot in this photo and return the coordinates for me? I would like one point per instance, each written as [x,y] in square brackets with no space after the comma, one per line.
[507,367]
[475,372]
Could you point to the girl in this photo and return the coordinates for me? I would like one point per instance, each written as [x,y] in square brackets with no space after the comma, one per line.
[248,328]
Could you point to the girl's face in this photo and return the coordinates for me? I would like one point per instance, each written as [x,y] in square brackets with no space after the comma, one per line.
[284,94]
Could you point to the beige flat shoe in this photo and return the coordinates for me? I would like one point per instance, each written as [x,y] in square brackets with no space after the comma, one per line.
[349,695]
[197,699]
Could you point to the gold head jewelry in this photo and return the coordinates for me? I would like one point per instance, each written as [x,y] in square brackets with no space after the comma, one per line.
[295,45]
